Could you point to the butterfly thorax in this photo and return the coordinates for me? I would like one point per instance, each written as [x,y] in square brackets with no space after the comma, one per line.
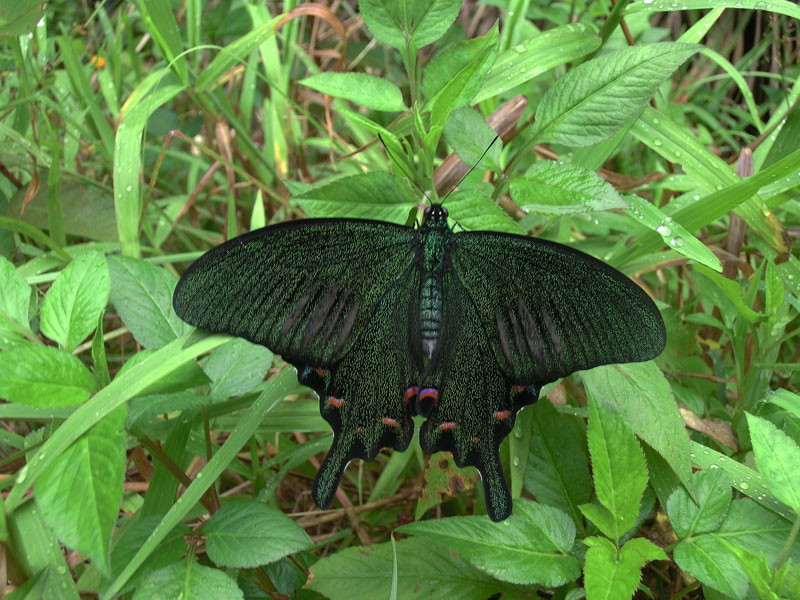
[434,236]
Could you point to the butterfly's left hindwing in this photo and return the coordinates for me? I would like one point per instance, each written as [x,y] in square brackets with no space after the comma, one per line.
[364,399]
[336,298]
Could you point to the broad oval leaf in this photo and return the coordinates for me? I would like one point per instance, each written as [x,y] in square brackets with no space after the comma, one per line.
[778,460]
[237,367]
[713,493]
[532,546]
[558,468]
[641,395]
[248,534]
[76,300]
[470,136]
[557,188]
[142,295]
[188,581]
[373,195]
[536,55]
[79,493]
[424,570]
[44,376]
[594,100]
[420,22]
[365,90]
[15,295]
[447,63]
[612,573]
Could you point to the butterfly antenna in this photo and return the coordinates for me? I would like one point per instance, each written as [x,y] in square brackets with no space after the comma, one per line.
[472,168]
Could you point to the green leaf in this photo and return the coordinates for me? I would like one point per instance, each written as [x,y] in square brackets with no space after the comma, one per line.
[786,400]
[77,298]
[746,480]
[79,493]
[536,55]
[420,21]
[470,136]
[374,195]
[611,576]
[250,533]
[447,63]
[188,581]
[160,23]
[673,233]
[424,570]
[155,89]
[713,494]
[365,90]
[558,468]
[129,538]
[44,376]
[88,211]
[237,367]
[142,295]
[20,17]
[275,390]
[36,550]
[235,52]
[459,88]
[557,188]
[473,210]
[755,567]
[15,295]
[747,525]
[778,460]
[641,395]
[678,144]
[591,102]
[531,546]
[732,290]
[783,7]
[706,559]
[618,467]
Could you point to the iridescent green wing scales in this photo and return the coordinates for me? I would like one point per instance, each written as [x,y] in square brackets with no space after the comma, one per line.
[549,310]
[365,396]
[476,403]
[335,298]
[305,289]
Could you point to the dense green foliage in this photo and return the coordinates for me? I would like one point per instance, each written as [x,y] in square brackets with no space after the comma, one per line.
[143,460]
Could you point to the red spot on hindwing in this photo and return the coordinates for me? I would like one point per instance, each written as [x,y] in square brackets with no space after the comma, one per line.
[333,401]
[411,393]
[447,425]
[502,414]
[390,421]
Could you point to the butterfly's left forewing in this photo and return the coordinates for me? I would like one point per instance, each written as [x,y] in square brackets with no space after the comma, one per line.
[335,298]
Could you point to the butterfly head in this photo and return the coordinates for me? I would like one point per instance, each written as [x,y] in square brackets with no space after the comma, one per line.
[435,214]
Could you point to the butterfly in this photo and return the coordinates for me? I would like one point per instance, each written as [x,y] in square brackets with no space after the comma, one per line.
[387,321]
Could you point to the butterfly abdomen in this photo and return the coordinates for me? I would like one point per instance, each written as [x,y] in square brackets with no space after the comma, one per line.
[430,313]
[434,251]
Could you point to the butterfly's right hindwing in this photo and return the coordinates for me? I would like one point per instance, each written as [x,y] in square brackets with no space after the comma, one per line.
[305,289]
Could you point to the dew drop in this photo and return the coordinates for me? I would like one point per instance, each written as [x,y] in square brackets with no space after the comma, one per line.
[516,461]
[658,142]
